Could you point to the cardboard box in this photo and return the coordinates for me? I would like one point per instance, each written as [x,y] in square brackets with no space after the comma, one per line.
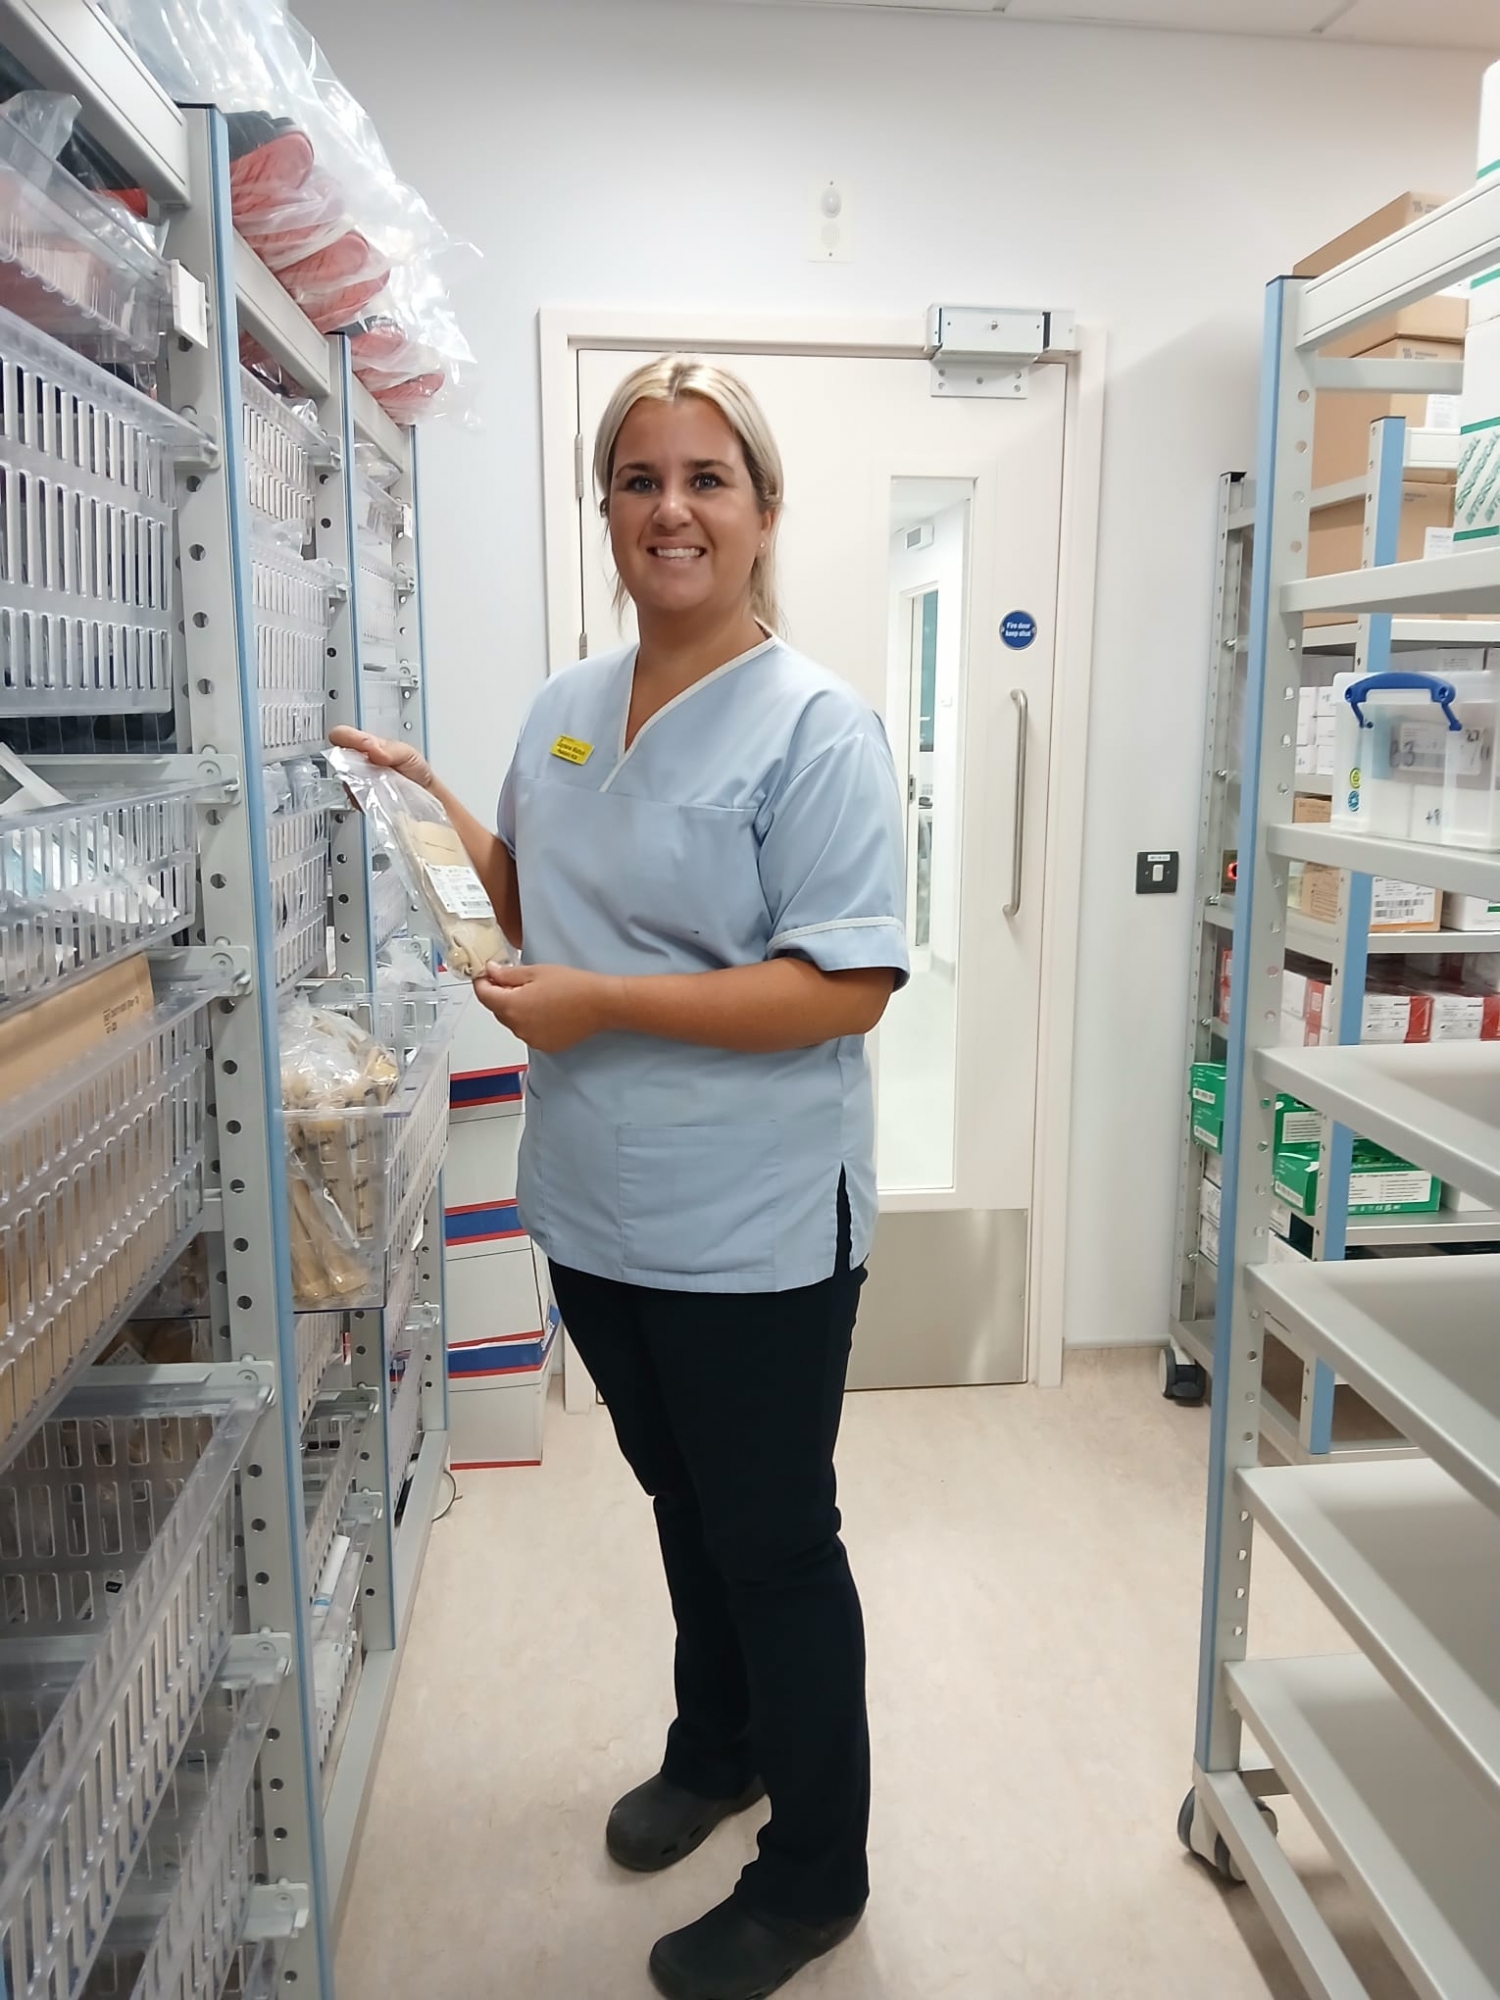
[1470,913]
[1476,514]
[1379,1183]
[1336,541]
[42,1039]
[1441,318]
[1394,906]
[1210,1201]
[1341,425]
[1208,1087]
[1208,1239]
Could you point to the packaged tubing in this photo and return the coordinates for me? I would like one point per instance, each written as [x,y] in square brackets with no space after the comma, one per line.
[329,1066]
[423,845]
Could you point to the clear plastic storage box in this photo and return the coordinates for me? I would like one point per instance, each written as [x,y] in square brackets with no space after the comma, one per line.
[1415,757]
[320,1344]
[359,1179]
[337,1645]
[183,1914]
[298,843]
[333,1445]
[71,263]
[87,591]
[85,883]
[117,1580]
[378,585]
[101,1185]
[421,1338]
[293,603]
[284,450]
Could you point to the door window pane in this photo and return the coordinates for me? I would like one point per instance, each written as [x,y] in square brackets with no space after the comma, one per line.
[926,669]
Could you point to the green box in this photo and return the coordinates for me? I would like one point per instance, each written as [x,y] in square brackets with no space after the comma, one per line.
[1296,1124]
[1379,1183]
[1210,1082]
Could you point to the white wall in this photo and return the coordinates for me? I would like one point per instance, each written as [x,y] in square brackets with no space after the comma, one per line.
[657,153]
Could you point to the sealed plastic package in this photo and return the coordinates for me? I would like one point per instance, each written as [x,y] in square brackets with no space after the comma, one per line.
[423,845]
[329,1067]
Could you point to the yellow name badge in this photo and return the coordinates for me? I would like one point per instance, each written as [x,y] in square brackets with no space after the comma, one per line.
[572,751]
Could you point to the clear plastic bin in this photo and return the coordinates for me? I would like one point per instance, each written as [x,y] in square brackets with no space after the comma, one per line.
[71,264]
[378,514]
[293,603]
[360,1179]
[320,1343]
[298,843]
[332,1444]
[87,595]
[1415,757]
[336,1643]
[117,1581]
[391,905]
[86,883]
[377,597]
[423,1332]
[384,702]
[101,1185]
[183,1914]
[283,454]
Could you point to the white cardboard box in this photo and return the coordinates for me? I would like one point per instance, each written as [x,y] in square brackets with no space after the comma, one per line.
[1470,913]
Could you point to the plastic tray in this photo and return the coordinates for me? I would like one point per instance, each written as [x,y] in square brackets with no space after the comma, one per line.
[183,1913]
[336,1639]
[101,1181]
[293,600]
[320,1342]
[423,1330]
[72,264]
[283,453]
[332,1453]
[86,568]
[360,1179]
[89,882]
[117,1572]
[377,597]
[298,844]
[391,906]
[383,701]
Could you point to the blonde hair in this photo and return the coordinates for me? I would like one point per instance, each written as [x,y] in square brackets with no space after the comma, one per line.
[668,381]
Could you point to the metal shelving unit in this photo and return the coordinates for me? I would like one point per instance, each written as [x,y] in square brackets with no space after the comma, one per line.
[1318,1416]
[1392,1751]
[215,1856]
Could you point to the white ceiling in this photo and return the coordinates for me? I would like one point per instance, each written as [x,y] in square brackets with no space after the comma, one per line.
[1431,24]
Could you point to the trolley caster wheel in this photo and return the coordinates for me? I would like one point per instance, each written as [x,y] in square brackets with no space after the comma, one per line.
[1221,1860]
[1181,1381]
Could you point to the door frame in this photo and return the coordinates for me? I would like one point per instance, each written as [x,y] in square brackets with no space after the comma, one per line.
[562,331]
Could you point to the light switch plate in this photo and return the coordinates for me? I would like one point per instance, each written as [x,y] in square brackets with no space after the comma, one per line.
[1156,874]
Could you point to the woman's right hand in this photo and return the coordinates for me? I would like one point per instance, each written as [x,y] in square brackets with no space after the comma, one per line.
[403,758]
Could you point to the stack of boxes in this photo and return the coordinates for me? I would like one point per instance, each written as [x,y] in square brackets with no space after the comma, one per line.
[1477,511]
[1379,1183]
[1432,330]
[502,1324]
[1317,715]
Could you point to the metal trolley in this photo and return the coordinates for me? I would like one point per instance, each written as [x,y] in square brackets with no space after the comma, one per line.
[1391,1750]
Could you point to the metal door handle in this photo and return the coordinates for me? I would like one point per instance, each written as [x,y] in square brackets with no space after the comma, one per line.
[1018,841]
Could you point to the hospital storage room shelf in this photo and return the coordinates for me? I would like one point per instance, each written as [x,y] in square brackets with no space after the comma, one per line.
[1392,1751]
[214,1505]
[1305,1413]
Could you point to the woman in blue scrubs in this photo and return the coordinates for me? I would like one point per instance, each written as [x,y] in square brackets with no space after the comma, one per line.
[700,858]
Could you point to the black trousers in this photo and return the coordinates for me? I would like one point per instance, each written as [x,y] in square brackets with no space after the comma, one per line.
[727,1407]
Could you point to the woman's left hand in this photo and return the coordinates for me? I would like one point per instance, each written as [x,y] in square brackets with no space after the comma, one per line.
[549,1007]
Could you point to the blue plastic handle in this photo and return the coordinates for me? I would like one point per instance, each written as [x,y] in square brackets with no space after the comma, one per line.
[1444,693]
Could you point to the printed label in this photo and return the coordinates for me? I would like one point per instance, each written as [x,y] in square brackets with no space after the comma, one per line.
[460,892]
[1443,413]
[571,751]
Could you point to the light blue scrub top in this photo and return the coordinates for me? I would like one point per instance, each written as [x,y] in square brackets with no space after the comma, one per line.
[756,815]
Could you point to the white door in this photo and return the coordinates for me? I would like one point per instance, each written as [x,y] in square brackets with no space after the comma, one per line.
[918,558]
